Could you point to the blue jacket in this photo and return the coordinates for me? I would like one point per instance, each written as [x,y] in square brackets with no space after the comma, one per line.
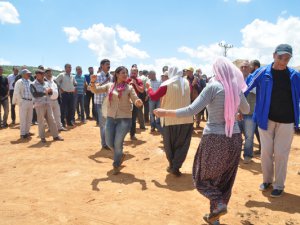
[262,79]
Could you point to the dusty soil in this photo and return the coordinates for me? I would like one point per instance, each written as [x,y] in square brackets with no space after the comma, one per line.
[71,182]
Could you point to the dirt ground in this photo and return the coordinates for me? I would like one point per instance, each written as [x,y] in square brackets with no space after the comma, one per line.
[71,182]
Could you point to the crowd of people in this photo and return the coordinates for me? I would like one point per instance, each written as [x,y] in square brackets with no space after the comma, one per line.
[248,101]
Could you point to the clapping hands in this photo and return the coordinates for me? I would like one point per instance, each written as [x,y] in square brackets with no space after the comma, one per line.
[93,78]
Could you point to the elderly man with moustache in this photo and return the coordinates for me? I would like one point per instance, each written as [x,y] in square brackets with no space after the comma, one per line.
[246,123]
[22,96]
[41,92]
[277,114]
[54,99]
[67,83]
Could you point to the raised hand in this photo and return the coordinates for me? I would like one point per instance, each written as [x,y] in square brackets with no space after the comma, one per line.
[147,85]
[93,78]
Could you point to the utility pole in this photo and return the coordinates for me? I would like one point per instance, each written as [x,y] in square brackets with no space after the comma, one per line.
[226,46]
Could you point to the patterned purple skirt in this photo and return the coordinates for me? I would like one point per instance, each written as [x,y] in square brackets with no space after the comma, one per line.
[215,166]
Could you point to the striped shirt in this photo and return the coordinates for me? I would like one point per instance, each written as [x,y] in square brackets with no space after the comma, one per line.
[26,93]
[11,79]
[101,79]
[80,80]
[213,96]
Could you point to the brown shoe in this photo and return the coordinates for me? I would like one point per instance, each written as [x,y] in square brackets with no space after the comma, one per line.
[58,138]
[176,172]
[133,138]
[116,170]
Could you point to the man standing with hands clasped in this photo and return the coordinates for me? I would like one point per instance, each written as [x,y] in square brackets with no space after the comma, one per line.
[276,113]
[41,91]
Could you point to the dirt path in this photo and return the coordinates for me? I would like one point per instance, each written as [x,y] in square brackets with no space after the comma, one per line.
[71,182]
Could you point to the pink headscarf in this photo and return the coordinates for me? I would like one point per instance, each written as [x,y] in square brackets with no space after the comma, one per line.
[119,87]
[233,82]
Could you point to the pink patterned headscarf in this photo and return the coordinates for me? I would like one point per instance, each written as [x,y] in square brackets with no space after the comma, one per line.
[119,87]
[233,82]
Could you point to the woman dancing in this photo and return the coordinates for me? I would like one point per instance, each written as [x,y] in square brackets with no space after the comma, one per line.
[217,158]
[120,97]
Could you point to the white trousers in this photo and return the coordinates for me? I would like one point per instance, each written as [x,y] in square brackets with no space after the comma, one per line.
[25,114]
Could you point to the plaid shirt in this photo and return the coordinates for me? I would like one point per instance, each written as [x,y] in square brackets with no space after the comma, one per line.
[26,94]
[101,78]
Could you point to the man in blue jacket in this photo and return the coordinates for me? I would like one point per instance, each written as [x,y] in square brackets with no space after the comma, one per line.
[276,113]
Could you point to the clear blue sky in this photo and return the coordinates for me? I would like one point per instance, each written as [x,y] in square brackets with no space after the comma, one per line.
[163,26]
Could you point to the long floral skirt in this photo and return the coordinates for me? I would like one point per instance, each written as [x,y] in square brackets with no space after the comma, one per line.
[215,166]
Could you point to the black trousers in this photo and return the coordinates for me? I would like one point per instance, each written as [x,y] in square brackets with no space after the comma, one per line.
[146,111]
[177,139]
[88,97]
[67,107]
[12,107]
[134,116]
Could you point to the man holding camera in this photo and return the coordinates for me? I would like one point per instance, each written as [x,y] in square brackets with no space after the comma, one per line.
[41,92]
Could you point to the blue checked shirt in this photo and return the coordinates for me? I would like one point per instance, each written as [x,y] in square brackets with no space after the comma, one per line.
[26,94]
[101,78]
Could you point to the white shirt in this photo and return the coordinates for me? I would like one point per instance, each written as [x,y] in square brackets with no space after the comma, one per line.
[54,88]
[11,79]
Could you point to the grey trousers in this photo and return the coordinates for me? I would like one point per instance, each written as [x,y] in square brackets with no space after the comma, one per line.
[177,139]
[45,112]
[56,113]
[275,148]
[25,114]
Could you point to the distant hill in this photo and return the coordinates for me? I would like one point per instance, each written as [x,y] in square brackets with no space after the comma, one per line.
[8,70]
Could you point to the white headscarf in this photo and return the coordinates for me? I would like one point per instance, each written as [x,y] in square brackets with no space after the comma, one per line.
[174,75]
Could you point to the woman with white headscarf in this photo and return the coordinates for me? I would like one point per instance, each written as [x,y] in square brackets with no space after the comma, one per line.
[177,133]
[217,158]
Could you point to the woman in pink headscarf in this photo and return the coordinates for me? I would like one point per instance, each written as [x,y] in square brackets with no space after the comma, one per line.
[217,158]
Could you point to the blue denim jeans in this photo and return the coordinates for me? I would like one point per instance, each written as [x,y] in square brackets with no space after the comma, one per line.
[102,122]
[79,106]
[247,126]
[154,121]
[116,130]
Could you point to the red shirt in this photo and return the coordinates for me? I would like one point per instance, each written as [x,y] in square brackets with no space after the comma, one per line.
[160,92]
[139,82]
